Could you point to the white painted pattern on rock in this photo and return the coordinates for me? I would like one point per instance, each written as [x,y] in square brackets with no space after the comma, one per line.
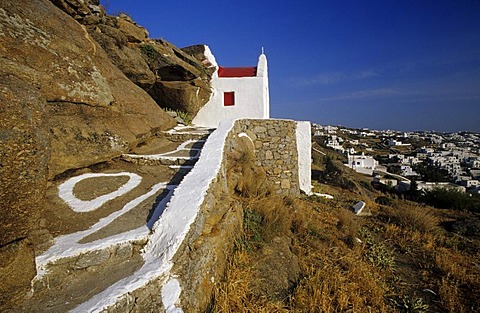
[171,228]
[65,191]
[69,246]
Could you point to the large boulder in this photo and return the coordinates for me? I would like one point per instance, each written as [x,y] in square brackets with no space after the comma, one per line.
[133,31]
[171,63]
[178,95]
[126,57]
[183,82]
[199,53]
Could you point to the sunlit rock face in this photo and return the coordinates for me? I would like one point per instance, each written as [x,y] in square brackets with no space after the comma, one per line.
[175,78]
[64,105]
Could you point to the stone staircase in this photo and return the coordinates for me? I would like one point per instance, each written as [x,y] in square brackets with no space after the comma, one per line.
[100,218]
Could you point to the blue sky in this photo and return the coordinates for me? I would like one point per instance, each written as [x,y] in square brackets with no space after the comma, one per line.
[386,64]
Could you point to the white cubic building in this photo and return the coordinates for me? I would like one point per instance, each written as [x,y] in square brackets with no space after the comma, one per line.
[362,164]
[238,92]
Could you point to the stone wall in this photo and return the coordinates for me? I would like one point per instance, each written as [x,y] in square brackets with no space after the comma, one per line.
[275,151]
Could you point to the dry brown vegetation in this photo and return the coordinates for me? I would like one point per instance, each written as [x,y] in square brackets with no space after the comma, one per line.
[315,255]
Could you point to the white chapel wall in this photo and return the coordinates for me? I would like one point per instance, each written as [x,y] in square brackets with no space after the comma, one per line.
[251,97]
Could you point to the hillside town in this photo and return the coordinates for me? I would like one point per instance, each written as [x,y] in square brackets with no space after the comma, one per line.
[395,159]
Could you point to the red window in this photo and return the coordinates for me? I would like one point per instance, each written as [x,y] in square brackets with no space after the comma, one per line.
[229,98]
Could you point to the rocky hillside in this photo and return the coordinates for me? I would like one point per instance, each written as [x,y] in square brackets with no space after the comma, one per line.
[78,87]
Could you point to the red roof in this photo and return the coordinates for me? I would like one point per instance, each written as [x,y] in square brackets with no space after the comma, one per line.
[237,71]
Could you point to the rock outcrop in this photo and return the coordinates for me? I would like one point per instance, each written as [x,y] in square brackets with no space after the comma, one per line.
[24,158]
[93,112]
[175,79]
[64,105]
[78,87]
[183,83]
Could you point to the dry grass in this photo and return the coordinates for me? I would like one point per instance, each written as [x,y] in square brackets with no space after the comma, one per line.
[343,283]
[339,277]
[444,268]
[335,277]
[235,293]
[271,216]
[460,277]
[450,296]
[348,225]
[458,267]
[244,177]
[414,217]
[404,251]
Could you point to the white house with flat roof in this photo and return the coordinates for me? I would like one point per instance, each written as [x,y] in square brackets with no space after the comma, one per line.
[362,163]
[238,92]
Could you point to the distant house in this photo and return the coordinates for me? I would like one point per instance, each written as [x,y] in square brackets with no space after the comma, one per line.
[392,142]
[426,150]
[238,92]
[411,160]
[391,182]
[428,186]
[335,143]
[468,183]
[473,163]
[408,171]
[362,164]
[448,145]
[351,150]
[439,185]
[475,173]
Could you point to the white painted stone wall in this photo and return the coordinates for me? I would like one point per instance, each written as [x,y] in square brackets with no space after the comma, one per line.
[304,139]
[251,96]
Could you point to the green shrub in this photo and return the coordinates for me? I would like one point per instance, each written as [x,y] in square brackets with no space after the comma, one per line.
[376,253]
[149,51]
[379,255]
[185,116]
[252,225]
[384,200]
[451,199]
[411,305]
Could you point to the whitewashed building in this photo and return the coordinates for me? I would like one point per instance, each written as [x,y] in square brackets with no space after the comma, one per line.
[427,186]
[470,183]
[392,142]
[238,92]
[408,171]
[335,143]
[362,164]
